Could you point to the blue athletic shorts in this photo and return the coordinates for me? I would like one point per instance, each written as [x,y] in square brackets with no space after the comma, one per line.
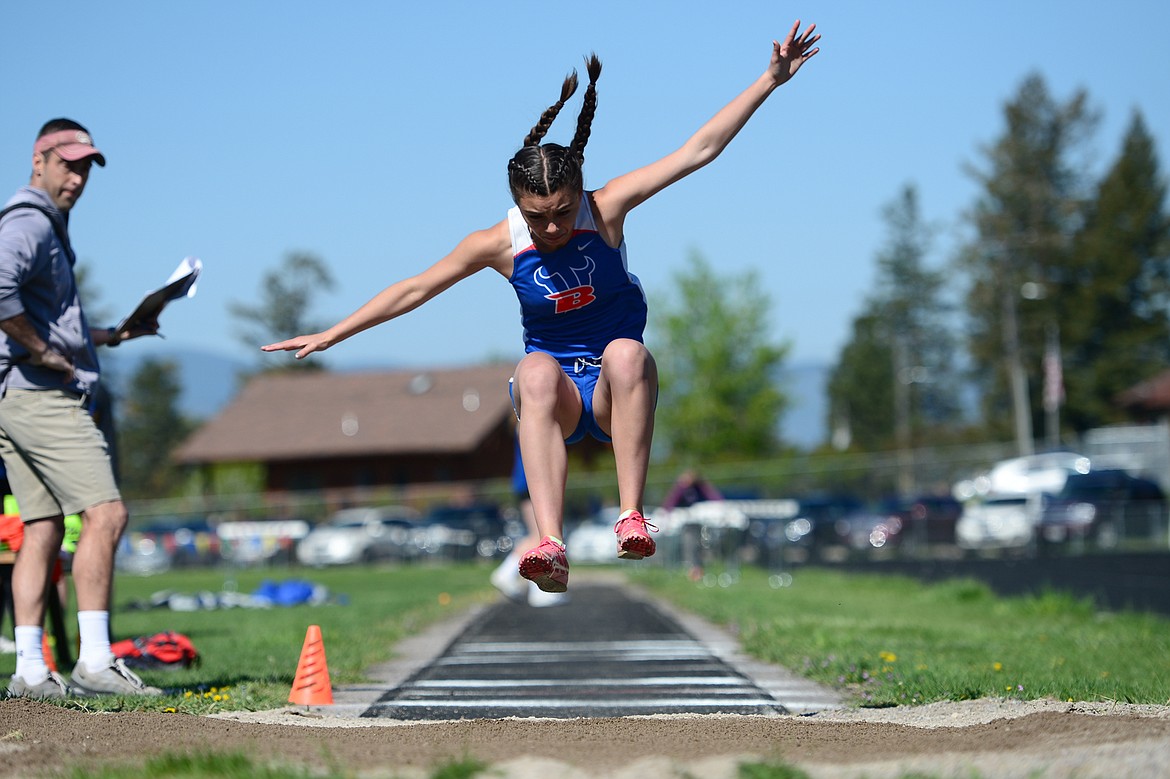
[584,375]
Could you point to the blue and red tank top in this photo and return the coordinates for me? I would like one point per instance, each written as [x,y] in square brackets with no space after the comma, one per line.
[576,299]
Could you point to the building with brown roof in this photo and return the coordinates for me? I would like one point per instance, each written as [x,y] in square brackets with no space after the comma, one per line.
[330,431]
[1149,400]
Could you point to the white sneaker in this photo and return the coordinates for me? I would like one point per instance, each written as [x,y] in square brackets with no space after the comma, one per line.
[114,679]
[506,578]
[52,687]
[540,599]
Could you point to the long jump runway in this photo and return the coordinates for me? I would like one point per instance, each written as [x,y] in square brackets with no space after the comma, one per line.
[606,653]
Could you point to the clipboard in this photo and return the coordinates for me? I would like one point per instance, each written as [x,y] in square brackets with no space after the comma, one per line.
[182,283]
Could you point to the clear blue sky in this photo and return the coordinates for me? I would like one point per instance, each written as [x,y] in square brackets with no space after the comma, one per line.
[375,135]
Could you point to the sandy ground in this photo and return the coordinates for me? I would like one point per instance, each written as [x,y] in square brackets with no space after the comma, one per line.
[996,738]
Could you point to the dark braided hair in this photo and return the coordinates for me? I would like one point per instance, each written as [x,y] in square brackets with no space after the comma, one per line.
[541,169]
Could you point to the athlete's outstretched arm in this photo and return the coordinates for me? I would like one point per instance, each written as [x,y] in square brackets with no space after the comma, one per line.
[479,250]
[622,194]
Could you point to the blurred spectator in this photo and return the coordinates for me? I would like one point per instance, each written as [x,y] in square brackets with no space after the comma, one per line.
[691,488]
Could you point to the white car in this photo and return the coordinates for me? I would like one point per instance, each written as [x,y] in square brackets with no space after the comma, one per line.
[593,541]
[1035,473]
[359,535]
[1000,522]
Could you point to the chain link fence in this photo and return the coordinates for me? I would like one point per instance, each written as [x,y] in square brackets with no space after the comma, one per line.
[777,513]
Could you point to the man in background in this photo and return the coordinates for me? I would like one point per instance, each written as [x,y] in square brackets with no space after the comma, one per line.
[57,460]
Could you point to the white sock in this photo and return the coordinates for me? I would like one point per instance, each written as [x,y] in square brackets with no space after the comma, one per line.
[94,629]
[30,655]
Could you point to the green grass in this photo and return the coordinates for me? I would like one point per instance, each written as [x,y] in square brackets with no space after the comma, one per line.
[890,640]
[239,766]
[249,656]
[769,771]
[884,640]
[201,766]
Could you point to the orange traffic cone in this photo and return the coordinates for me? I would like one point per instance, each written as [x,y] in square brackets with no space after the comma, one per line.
[311,685]
[47,651]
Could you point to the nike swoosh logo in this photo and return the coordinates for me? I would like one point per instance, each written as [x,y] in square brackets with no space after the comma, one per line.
[582,247]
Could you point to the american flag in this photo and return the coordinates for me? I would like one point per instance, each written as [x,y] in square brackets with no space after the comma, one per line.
[1053,378]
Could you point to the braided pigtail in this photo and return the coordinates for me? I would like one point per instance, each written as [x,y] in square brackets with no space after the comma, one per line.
[542,169]
[588,108]
[550,114]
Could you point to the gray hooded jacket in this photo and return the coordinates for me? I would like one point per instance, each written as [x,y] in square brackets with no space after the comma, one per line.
[36,279]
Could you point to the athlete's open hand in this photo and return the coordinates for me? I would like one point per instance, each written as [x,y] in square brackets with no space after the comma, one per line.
[797,49]
[304,345]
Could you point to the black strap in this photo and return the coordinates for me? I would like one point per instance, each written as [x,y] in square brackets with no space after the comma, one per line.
[58,228]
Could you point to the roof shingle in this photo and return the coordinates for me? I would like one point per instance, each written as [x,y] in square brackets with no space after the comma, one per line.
[297,416]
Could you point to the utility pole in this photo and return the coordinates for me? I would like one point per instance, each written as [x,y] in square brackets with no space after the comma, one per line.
[1053,384]
[1021,408]
[905,376]
[1053,387]
[902,418]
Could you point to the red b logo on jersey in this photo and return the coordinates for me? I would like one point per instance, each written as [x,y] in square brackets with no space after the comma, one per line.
[572,299]
[568,295]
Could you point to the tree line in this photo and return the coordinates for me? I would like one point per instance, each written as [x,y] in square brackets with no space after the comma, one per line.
[1054,304]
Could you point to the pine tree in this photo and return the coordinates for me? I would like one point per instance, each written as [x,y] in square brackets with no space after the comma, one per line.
[861,388]
[895,379]
[1112,302]
[150,427]
[286,295]
[1025,220]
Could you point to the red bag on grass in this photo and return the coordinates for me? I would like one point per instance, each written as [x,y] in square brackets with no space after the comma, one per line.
[165,650]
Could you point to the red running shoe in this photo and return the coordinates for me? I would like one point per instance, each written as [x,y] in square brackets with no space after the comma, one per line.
[546,565]
[634,541]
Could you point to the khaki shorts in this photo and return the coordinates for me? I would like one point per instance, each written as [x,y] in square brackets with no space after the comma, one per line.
[58,461]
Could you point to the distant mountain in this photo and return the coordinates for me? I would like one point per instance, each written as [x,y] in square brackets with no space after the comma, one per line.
[208,380]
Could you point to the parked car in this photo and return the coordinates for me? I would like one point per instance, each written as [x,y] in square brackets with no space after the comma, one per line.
[1103,507]
[1000,522]
[467,532]
[815,524]
[360,535]
[168,542]
[926,519]
[260,541]
[592,540]
[866,529]
[769,531]
[1045,472]
[189,540]
[141,555]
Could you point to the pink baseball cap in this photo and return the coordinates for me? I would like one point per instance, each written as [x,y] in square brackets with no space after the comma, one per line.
[71,145]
